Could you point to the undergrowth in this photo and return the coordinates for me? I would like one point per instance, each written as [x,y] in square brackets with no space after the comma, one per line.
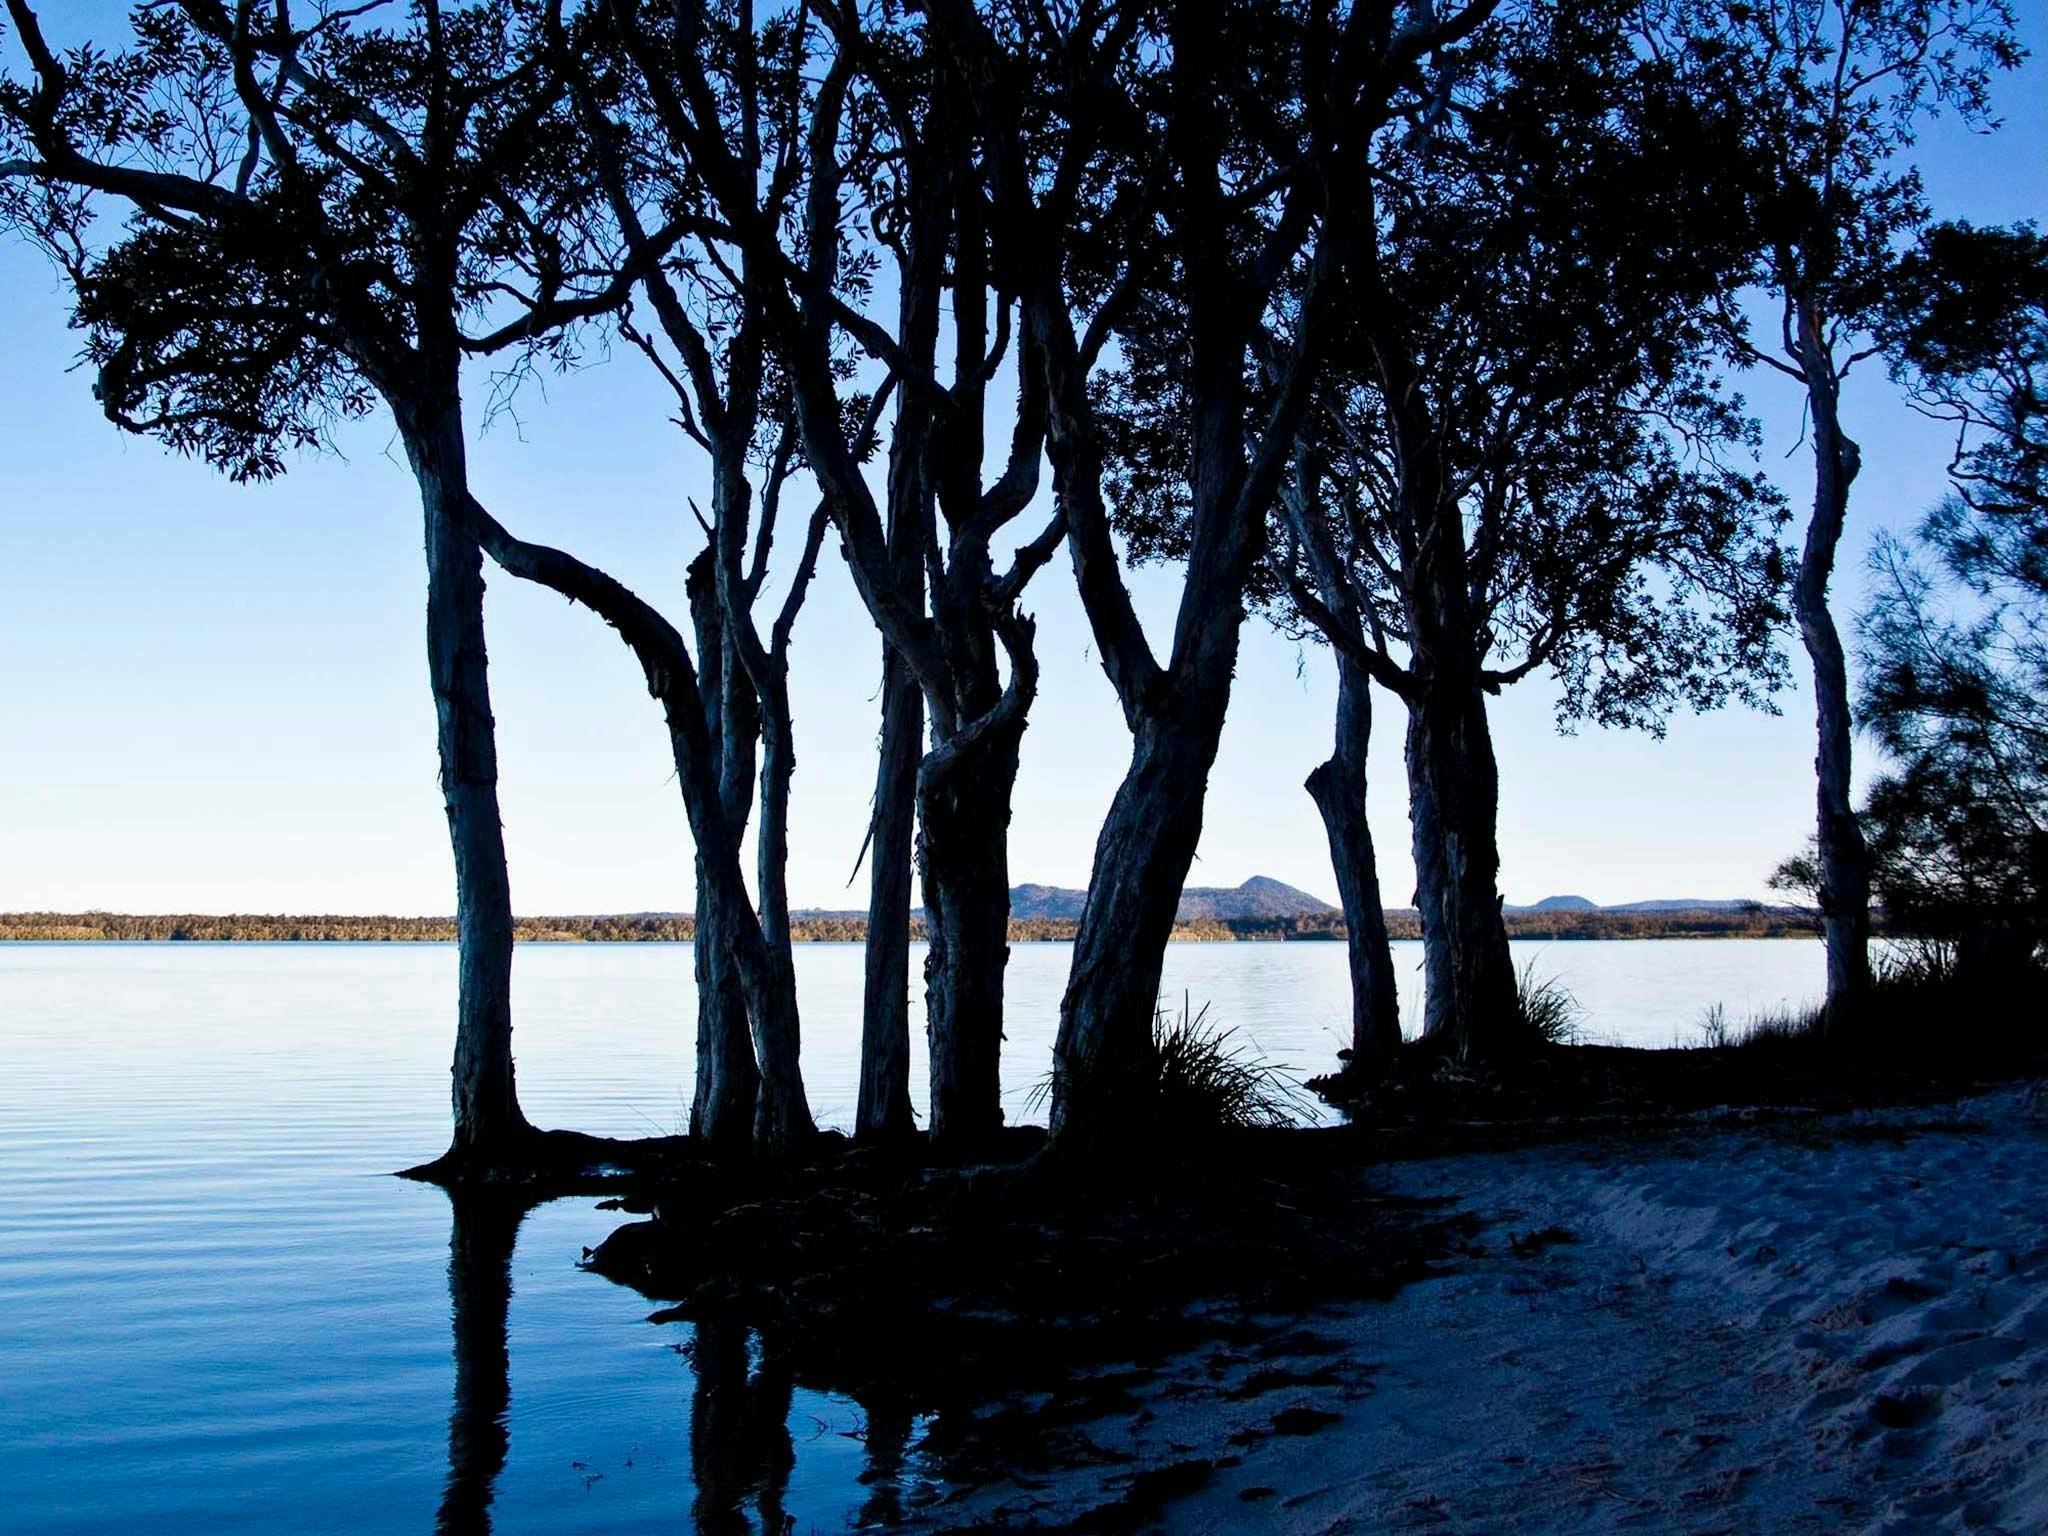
[1548,1007]
[1920,998]
[1193,1079]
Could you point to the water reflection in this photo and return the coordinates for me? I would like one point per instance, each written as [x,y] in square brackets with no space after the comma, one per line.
[740,1447]
[889,1428]
[741,1452]
[483,1232]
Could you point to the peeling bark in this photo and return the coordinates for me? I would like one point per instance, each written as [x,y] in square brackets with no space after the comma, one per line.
[1439,996]
[1454,782]
[1454,787]
[1142,857]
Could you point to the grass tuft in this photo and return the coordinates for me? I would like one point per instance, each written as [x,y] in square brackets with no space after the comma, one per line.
[1548,1007]
[1194,1080]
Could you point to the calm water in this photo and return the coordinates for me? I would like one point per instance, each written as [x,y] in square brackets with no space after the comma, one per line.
[218,1313]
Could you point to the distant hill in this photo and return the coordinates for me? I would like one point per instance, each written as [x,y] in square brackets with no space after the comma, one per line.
[1684,904]
[1660,904]
[1258,897]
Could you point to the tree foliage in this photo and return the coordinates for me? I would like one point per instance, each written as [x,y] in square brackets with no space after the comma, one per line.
[1554,234]
[313,200]
[1955,641]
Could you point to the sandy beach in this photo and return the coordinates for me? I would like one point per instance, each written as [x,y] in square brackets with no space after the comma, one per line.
[1828,1323]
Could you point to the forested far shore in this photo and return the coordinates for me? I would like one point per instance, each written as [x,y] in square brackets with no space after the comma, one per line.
[1402,923]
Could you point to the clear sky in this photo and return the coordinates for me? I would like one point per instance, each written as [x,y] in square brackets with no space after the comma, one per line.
[214,698]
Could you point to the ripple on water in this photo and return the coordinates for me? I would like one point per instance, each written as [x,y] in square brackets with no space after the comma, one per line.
[218,1313]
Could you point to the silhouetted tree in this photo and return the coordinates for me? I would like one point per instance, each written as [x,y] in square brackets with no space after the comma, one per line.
[880,132]
[1955,640]
[1514,463]
[733,403]
[1208,152]
[302,200]
[330,213]
[1833,93]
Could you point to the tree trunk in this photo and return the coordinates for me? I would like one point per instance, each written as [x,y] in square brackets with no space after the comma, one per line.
[484,1231]
[782,1116]
[1473,1010]
[884,1113]
[785,1111]
[728,1081]
[1426,839]
[963,855]
[1338,788]
[1456,785]
[1142,857]
[486,1100]
[1843,857]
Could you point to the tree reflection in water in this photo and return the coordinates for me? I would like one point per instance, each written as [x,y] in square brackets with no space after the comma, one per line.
[483,1230]
[739,1430]
[741,1451]
[889,1425]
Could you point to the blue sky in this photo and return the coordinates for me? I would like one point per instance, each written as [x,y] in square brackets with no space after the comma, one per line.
[214,698]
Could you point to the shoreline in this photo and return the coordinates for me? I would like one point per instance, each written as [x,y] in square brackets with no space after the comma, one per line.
[1834,1323]
[117,928]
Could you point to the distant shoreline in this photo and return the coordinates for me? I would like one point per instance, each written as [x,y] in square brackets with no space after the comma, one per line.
[106,927]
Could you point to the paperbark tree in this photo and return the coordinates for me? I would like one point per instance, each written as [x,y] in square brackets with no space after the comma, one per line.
[1338,787]
[1229,127]
[328,214]
[709,342]
[201,340]
[875,120]
[1533,457]
[1833,93]
[1512,462]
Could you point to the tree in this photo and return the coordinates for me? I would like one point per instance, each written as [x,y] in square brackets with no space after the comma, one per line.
[733,402]
[1516,461]
[881,131]
[255,300]
[329,214]
[1955,640]
[1199,152]
[1833,93]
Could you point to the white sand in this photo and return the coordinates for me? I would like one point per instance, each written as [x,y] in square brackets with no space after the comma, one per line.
[1836,1326]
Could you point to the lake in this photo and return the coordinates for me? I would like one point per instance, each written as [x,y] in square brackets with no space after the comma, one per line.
[218,1312]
